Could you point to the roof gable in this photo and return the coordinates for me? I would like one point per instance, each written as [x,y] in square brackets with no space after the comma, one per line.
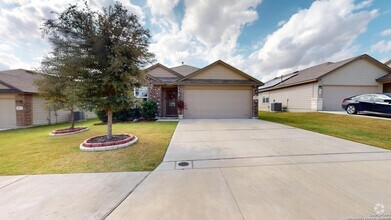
[185,70]
[159,70]
[220,70]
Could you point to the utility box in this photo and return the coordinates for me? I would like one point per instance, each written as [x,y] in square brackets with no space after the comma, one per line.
[79,116]
[276,107]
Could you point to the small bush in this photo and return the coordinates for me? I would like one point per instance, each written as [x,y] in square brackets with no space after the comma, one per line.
[123,115]
[149,109]
[102,115]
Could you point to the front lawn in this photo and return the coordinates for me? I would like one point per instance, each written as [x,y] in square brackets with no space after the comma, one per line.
[375,132]
[33,151]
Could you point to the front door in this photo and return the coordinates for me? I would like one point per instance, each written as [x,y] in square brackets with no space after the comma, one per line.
[171,96]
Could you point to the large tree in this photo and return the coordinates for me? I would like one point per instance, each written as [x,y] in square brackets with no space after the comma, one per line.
[58,84]
[112,47]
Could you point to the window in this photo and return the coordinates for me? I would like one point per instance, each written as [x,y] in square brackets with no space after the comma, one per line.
[141,92]
[381,98]
[265,99]
[365,98]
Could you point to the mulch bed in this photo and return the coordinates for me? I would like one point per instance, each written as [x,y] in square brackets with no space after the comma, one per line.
[102,141]
[68,130]
[121,122]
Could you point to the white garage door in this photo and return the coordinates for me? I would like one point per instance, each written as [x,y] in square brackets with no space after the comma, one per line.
[333,95]
[218,102]
[7,112]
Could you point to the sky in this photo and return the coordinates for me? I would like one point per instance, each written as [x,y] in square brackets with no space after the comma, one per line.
[264,38]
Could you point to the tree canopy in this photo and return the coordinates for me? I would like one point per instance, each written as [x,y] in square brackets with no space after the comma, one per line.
[111,47]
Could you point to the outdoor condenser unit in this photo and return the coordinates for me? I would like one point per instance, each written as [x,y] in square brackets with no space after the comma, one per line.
[276,107]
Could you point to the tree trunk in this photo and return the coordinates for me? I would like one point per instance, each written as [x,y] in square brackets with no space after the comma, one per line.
[109,124]
[72,119]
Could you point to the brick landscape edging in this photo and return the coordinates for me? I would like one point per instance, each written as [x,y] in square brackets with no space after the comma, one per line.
[108,145]
[68,133]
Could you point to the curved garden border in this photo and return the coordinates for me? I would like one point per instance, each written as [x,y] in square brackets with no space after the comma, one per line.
[108,145]
[62,133]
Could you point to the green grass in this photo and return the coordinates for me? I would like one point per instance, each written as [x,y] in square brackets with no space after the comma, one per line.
[375,132]
[33,151]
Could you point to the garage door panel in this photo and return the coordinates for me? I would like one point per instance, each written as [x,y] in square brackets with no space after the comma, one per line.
[218,103]
[7,113]
[333,95]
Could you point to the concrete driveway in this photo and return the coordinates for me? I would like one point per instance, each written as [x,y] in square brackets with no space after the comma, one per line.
[251,169]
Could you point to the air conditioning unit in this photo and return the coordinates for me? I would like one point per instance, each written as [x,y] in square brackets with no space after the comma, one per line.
[79,116]
[276,107]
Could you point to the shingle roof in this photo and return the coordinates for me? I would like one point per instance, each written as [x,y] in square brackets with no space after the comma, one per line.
[20,79]
[220,62]
[277,80]
[385,78]
[185,70]
[316,72]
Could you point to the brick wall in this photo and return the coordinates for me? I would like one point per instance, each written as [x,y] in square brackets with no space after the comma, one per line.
[180,93]
[155,93]
[24,117]
[255,102]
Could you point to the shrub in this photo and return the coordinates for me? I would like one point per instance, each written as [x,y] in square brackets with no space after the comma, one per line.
[102,115]
[123,115]
[149,109]
[180,106]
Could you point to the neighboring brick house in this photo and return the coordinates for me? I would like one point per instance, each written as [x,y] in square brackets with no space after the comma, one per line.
[218,90]
[21,105]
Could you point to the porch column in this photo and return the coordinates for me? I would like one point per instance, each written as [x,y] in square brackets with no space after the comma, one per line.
[180,93]
[155,93]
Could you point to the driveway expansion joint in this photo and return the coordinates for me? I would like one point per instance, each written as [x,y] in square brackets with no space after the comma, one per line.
[360,202]
[125,197]
[232,194]
[281,155]
[14,181]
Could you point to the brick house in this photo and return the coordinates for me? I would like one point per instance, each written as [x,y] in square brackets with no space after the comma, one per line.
[21,105]
[218,90]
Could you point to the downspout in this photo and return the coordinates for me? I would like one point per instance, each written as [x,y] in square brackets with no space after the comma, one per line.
[49,118]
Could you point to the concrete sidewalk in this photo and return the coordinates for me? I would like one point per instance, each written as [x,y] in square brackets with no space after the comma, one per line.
[250,169]
[65,196]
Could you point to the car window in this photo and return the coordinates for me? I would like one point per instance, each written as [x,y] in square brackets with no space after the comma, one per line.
[365,98]
[381,98]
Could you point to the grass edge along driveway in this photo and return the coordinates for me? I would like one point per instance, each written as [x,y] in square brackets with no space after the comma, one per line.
[374,132]
[33,151]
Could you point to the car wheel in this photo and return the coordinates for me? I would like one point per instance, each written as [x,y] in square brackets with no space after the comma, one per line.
[351,109]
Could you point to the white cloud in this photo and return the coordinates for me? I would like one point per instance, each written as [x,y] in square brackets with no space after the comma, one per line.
[382,47]
[9,61]
[203,37]
[281,23]
[162,7]
[21,40]
[325,31]
[386,32]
